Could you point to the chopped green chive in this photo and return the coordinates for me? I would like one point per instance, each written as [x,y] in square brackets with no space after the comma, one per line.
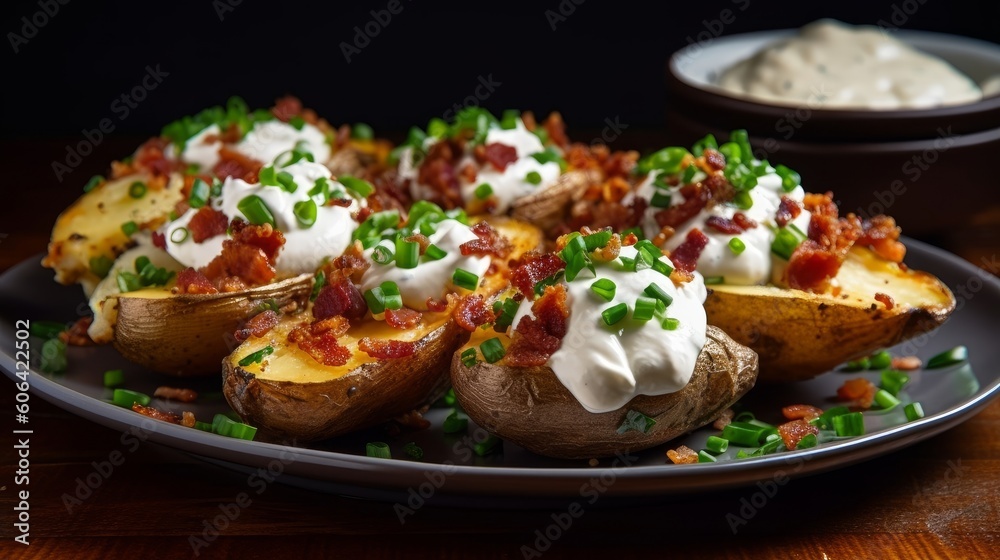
[305,213]
[319,280]
[129,228]
[287,182]
[375,300]
[660,200]
[743,200]
[716,444]
[359,187]
[256,211]
[893,381]
[508,121]
[126,398]
[93,183]
[455,423]
[880,360]
[200,191]
[706,457]
[604,288]
[654,290]
[635,420]
[100,265]
[707,142]
[786,240]
[807,441]
[670,324]
[46,329]
[362,131]
[378,449]
[413,451]
[614,314]
[713,280]
[114,377]
[256,357]
[849,425]
[137,189]
[913,411]
[492,350]
[434,253]
[885,399]
[826,419]
[268,177]
[407,253]
[504,312]
[667,160]
[465,279]
[737,246]
[128,281]
[533,177]
[951,357]
[469,357]
[743,433]
[382,254]
[487,446]
[789,179]
[860,364]
[391,297]
[53,356]
[644,308]
[179,235]
[297,122]
[484,191]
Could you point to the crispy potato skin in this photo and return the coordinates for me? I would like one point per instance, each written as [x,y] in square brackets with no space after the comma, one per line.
[799,335]
[547,208]
[531,408]
[188,335]
[366,396]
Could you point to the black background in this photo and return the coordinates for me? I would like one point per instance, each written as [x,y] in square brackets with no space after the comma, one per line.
[606,59]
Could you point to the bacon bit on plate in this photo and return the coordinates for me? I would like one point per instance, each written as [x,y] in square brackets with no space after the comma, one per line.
[724,419]
[488,242]
[906,363]
[858,391]
[207,223]
[187,419]
[156,414]
[190,281]
[532,268]
[536,338]
[403,318]
[793,432]
[683,455]
[788,210]
[472,312]
[340,298]
[801,412]
[886,300]
[386,349]
[77,335]
[257,326]
[685,256]
[336,326]
[323,347]
[413,420]
[811,266]
[175,394]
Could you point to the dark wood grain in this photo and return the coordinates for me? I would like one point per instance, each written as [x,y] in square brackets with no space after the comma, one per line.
[939,498]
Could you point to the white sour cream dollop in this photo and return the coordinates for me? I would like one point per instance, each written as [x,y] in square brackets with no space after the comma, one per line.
[264,142]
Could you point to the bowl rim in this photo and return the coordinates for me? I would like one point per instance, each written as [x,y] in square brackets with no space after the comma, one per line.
[682,83]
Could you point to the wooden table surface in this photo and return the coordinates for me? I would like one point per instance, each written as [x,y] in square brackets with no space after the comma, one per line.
[939,498]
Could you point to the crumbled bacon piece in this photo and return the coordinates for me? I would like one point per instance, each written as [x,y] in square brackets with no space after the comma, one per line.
[723,225]
[859,391]
[323,347]
[536,338]
[159,240]
[187,419]
[472,312]
[906,363]
[336,326]
[714,159]
[257,326]
[500,155]
[421,240]
[886,300]
[176,394]
[683,455]
[882,234]
[629,240]
[286,108]
[207,223]
[788,210]
[386,349]
[533,268]
[792,432]
[412,421]
[743,221]
[263,236]
[190,281]
[340,298]
[488,242]
[811,267]
[724,419]
[556,129]
[77,335]
[438,172]
[436,305]
[150,156]
[801,412]
[352,264]
[233,163]
[685,256]
[695,196]
[402,318]
[246,262]
[156,414]
[468,172]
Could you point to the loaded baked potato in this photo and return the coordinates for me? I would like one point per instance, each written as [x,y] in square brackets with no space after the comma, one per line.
[377,341]
[603,349]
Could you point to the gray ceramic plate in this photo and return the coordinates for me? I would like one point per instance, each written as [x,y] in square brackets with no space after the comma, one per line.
[452,473]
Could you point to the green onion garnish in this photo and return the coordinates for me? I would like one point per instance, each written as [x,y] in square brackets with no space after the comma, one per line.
[951,357]
[101,265]
[297,122]
[382,254]
[885,399]
[375,300]
[614,314]
[807,441]
[287,182]
[849,425]
[114,377]
[486,446]
[137,189]
[893,381]
[654,290]
[413,451]
[737,246]
[742,139]
[597,240]
[533,177]
[362,131]
[913,411]
[789,179]
[667,160]
[359,187]
[256,357]
[635,420]
[454,423]
[126,398]
[743,200]
[484,191]
[179,235]
[492,350]
[713,280]
[256,211]
[786,240]
[716,444]
[706,457]
[319,280]
[128,281]
[407,253]
[504,312]
[469,357]
[644,308]
[200,191]
[825,420]
[378,449]
[604,288]
[203,426]
[53,356]
[660,200]
[93,183]
[46,329]
[305,213]
[707,142]
[465,279]
[860,364]
[670,324]
[434,253]
[268,177]
[508,121]
[743,433]
[392,299]
[880,360]
[130,227]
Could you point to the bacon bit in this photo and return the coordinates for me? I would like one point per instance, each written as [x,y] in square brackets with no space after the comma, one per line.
[685,256]
[436,305]
[323,347]
[743,221]
[175,394]
[695,196]
[610,251]
[723,225]
[156,414]
[187,419]
[630,240]
[886,300]
[246,262]
[352,264]
[263,236]
[207,223]
[615,189]
[714,160]
[788,210]
[190,281]
[882,234]
[472,312]
[801,412]
[231,284]
[683,455]
[679,276]
[906,363]
[724,419]
[257,326]
[620,164]
[286,107]
[340,298]
[531,269]
[536,338]
[859,391]
[403,318]
[500,155]
[556,129]
[77,335]
[386,349]
[412,421]
[821,204]
[438,172]
[159,240]
[528,118]
[488,242]
[336,326]
[150,156]
[421,240]
[811,267]
[233,163]
[793,432]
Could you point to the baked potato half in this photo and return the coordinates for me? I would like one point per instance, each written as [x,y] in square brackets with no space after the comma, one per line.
[531,408]
[547,208]
[799,334]
[290,394]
